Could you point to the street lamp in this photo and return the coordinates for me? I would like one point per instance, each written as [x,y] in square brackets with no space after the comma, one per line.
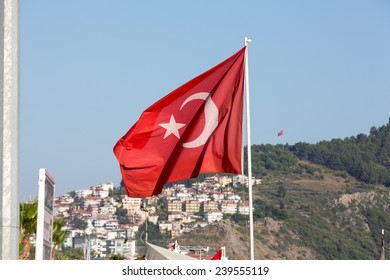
[88,232]
[144,209]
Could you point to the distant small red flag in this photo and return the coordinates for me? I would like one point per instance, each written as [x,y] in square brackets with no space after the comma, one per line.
[172,247]
[218,255]
[280,133]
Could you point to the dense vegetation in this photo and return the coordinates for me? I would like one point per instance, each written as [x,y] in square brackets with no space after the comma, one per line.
[365,157]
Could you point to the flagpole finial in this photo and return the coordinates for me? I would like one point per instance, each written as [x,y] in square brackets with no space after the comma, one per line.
[247,40]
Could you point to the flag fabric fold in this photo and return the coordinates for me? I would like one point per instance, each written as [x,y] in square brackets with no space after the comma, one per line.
[197,128]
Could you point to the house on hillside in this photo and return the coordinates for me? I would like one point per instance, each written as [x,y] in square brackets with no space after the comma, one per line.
[121,246]
[213,216]
[243,208]
[228,207]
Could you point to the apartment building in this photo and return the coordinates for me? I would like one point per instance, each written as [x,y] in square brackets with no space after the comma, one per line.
[208,206]
[192,206]
[175,205]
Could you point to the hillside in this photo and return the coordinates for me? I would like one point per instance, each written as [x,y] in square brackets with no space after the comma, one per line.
[316,201]
[365,157]
[306,217]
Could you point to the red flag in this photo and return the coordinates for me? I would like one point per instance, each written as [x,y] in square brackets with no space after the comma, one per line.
[195,129]
[280,133]
[218,255]
[172,247]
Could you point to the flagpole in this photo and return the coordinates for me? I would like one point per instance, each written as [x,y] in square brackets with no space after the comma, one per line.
[248,130]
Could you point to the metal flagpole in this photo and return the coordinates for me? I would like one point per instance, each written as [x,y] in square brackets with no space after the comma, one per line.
[248,130]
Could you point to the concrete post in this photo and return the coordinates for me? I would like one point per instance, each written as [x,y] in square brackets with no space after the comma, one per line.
[9,129]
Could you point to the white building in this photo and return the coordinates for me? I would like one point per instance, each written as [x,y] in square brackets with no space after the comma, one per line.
[107,209]
[66,199]
[183,196]
[91,200]
[202,197]
[164,227]
[121,246]
[61,208]
[112,224]
[83,193]
[212,180]
[175,216]
[243,180]
[233,197]
[107,186]
[224,180]
[228,207]
[131,200]
[132,230]
[99,223]
[118,233]
[243,208]
[217,196]
[100,192]
[100,248]
[132,205]
[213,216]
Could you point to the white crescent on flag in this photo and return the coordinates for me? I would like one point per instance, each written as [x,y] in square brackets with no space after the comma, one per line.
[211,117]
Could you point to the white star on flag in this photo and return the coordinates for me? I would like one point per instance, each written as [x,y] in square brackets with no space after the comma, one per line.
[172,127]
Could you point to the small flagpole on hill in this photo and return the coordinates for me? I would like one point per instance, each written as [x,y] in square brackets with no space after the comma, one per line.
[248,130]
[382,251]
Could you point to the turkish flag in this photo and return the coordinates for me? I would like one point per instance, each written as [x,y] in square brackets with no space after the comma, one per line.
[195,129]
[218,255]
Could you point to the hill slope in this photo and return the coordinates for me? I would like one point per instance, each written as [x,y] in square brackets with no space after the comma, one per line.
[305,217]
[317,201]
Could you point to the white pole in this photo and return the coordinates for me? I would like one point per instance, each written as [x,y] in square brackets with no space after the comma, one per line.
[89,248]
[9,129]
[248,130]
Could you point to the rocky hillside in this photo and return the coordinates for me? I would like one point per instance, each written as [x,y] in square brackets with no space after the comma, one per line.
[308,212]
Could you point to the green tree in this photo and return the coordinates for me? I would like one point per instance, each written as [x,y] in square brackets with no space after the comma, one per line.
[240,219]
[78,223]
[28,227]
[70,253]
[115,257]
[58,236]
[281,191]
[122,215]
[154,235]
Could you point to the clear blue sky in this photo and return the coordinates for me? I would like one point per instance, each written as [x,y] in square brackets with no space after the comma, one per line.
[318,70]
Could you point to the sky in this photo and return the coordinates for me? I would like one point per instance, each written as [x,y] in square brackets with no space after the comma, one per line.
[318,70]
